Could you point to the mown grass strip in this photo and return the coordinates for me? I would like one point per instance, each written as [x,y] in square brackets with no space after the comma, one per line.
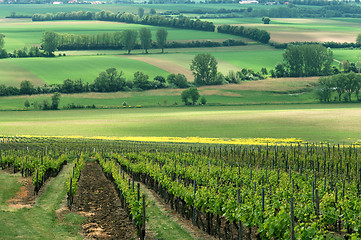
[39,222]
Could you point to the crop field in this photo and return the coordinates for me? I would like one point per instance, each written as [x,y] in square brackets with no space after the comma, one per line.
[269,91]
[22,33]
[303,29]
[301,185]
[315,122]
[29,9]
[87,65]
[79,67]
[261,159]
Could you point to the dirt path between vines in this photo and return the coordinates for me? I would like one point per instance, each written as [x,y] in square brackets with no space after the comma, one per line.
[97,199]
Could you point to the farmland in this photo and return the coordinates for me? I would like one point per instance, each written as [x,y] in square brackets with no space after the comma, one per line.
[314,123]
[137,162]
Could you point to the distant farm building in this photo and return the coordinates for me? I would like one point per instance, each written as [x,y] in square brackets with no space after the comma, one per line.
[248,2]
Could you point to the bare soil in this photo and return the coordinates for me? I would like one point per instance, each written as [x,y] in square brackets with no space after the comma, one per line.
[25,196]
[97,199]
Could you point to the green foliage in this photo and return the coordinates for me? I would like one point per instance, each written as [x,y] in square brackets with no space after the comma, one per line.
[204,67]
[141,81]
[55,100]
[145,36]
[179,80]
[162,38]
[152,11]
[26,88]
[2,41]
[27,103]
[191,93]
[341,83]
[49,42]
[135,205]
[109,81]
[129,39]
[308,60]
[358,39]
[252,33]
[203,100]
[266,20]
[140,12]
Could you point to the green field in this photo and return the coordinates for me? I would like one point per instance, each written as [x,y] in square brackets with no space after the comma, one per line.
[20,33]
[317,122]
[87,68]
[303,29]
[39,222]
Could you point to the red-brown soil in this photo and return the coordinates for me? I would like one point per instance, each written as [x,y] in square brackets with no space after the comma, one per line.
[97,199]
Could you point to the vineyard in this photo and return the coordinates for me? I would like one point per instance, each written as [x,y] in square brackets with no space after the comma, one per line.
[268,191]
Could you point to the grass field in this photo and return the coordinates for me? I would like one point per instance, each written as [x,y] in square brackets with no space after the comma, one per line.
[39,222]
[303,29]
[87,68]
[316,122]
[29,9]
[20,33]
[270,91]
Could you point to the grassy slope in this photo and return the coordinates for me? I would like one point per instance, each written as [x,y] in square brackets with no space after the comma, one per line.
[87,68]
[40,221]
[30,9]
[316,122]
[20,33]
[281,90]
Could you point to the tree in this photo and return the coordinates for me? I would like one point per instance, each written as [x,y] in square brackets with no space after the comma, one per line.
[266,20]
[325,89]
[50,42]
[129,39]
[203,100]
[350,84]
[55,100]
[152,11]
[26,87]
[109,81]
[308,60]
[162,38]
[140,12]
[27,103]
[185,96]
[194,94]
[346,65]
[179,80]
[191,93]
[358,39]
[204,67]
[145,36]
[141,81]
[339,83]
[2,41]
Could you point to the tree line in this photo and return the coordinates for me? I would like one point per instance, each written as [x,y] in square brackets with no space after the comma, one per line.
[293,11]
[158,20]
[110,80]
[329,44]
[154,20]
[204,67]
[116,40]
[252,33]
[341,86]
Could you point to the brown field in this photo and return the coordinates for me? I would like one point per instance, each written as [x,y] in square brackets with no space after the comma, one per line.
[165,65]
[312,36]
[12,75]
